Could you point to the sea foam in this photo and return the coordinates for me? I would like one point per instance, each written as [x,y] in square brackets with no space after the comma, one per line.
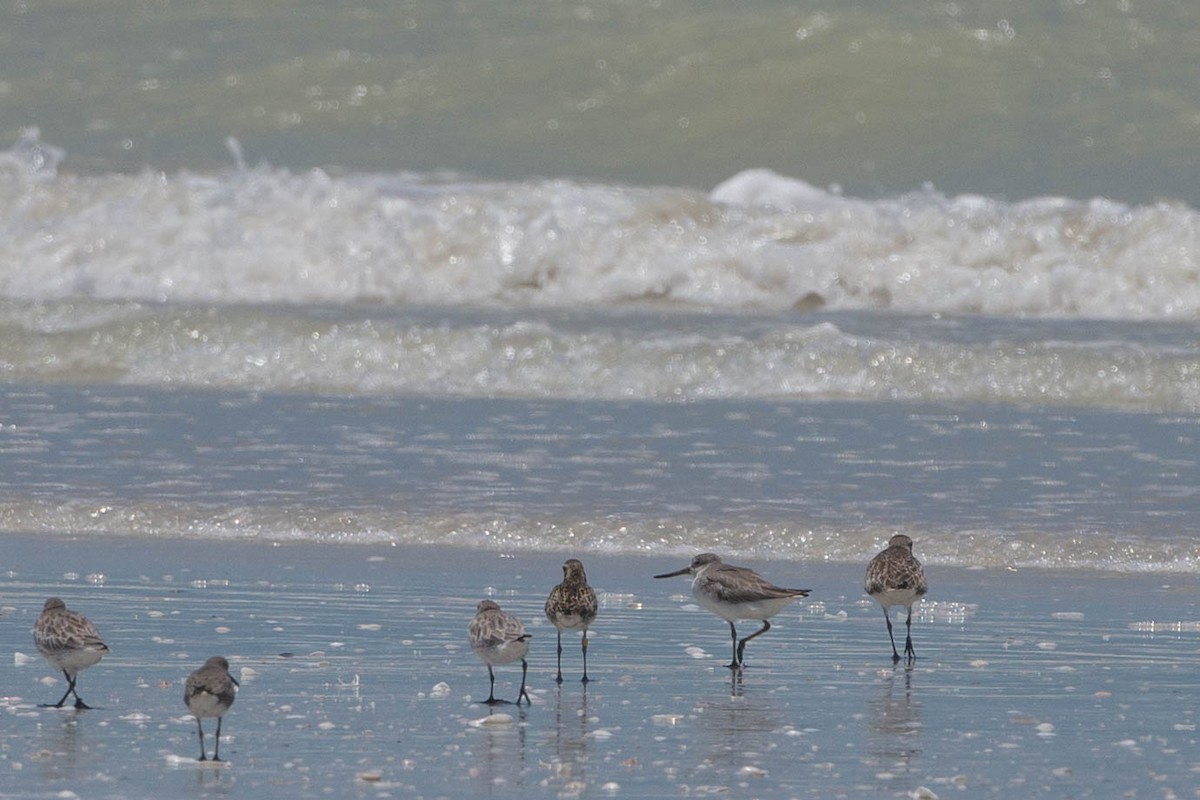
[757,242]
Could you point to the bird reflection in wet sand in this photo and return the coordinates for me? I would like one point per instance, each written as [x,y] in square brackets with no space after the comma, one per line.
[572,606]
[500,757]
[895,578]
[736,683]
[733,733]
[570,735]
[75,751]
[734,593]
[499,638]
[895,719]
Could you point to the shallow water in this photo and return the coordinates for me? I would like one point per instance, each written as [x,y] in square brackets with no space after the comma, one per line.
[1041,683]
[974,484]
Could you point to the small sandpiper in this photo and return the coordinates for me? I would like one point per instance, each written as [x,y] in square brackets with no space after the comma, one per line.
[572,606]
[209,692]
[499,638]
[895,578]
[734,593]
[70,642]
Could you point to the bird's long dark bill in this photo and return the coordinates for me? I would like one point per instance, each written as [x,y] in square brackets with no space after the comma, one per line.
[683,571]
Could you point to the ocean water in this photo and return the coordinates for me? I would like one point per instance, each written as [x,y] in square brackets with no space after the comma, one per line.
[319,322]
[633,277]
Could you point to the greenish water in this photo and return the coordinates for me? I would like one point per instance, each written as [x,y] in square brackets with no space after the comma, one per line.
[1075,98]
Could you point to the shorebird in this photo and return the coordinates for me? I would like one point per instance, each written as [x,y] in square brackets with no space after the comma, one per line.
[69,641]
[499,638]
[209,692]
[734,593]
[572,606]
[895,578]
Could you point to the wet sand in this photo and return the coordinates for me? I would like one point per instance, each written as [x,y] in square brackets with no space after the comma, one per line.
[357,680]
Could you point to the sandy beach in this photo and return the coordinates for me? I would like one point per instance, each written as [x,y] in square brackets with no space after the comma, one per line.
[356,679]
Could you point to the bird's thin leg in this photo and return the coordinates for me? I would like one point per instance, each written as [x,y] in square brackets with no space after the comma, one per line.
[908,647]
[523,693]
[737,661]
[888,617]
[559,678]
[741,651]
[200,731]
[66,694]
[79,704]
[585,644]
[492,687]
[217,749]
